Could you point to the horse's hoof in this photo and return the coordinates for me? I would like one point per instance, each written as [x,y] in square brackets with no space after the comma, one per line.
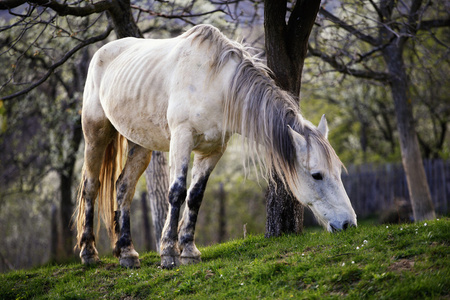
[130,262]
[190,260]
[89,260]
[169,262]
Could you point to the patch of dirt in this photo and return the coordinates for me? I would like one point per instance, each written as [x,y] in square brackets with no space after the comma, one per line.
[402,265]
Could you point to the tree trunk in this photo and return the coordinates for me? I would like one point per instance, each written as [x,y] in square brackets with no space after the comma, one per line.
[157,179]
[419,192]
[286,47]
[66,210]
[149,239]
[53,233]
[124,24]
[284,212]
[222,232]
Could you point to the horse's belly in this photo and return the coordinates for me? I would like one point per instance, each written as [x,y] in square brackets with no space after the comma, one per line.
[145,131]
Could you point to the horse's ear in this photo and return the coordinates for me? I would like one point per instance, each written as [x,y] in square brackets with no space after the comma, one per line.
[298,140]
[323,126]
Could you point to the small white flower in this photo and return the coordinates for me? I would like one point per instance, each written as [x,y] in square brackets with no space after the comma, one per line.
[365,241]
[425,224]
[303,254]
[221,275]
[387,226]
[437,219]
[242,283]
[357,248]
[353,262]
[401,228]
[343,264]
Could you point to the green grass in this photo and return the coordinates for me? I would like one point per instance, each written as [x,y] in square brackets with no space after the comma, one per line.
[409,261]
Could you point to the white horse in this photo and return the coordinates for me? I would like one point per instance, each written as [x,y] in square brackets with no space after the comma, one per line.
[190,94]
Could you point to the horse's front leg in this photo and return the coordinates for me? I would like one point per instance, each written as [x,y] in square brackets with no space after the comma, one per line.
[180,149]
[137,160]
[202,168]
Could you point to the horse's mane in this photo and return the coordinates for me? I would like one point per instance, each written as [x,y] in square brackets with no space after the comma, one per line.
[259,110]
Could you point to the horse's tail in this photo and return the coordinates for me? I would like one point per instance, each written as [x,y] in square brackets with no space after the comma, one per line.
[109,173]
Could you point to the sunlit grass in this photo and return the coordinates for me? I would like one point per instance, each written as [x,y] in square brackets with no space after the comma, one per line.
[408,261]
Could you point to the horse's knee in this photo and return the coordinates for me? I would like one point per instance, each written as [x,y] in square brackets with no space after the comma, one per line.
[177,193]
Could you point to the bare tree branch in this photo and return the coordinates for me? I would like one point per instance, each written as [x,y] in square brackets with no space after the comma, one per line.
[366,38]
[166,16]
[342,68]
[10,4]
[377,9]
[69,54]
[372,51]
[429,24]
[80,11]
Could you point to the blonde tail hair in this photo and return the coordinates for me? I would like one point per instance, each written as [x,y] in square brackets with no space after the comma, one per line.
[109,173]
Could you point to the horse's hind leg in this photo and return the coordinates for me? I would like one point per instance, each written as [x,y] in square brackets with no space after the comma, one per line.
[98,136]
[201,170]
[137,160]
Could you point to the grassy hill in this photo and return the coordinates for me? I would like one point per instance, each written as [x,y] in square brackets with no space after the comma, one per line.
[409,261]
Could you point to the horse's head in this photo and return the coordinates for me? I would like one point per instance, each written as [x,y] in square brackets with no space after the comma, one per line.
[318,183]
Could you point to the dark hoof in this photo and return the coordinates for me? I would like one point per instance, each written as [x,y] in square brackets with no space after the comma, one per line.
[169,262]
[130,262]
[190,260]
[89,260]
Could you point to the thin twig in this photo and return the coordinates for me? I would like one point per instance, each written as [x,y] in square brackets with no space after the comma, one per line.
[69,54]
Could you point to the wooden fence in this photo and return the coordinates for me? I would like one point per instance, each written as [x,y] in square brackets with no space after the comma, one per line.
[375,189]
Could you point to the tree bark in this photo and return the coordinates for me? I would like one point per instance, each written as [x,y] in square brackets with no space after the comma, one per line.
[124,24]
[222,232]
[53,233]
[286,47]
[284,212]
[157,179]
[419,192]
[66,210]
[149,239]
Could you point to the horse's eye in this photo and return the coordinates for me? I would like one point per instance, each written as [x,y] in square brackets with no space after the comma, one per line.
[317,176]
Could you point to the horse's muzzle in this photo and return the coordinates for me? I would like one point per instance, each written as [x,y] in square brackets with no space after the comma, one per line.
[339,226]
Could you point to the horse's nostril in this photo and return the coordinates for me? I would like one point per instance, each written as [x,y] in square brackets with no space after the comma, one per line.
[334,227]
[345,225]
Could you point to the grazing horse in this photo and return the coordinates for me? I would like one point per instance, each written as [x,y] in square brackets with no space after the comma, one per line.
[190,94]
